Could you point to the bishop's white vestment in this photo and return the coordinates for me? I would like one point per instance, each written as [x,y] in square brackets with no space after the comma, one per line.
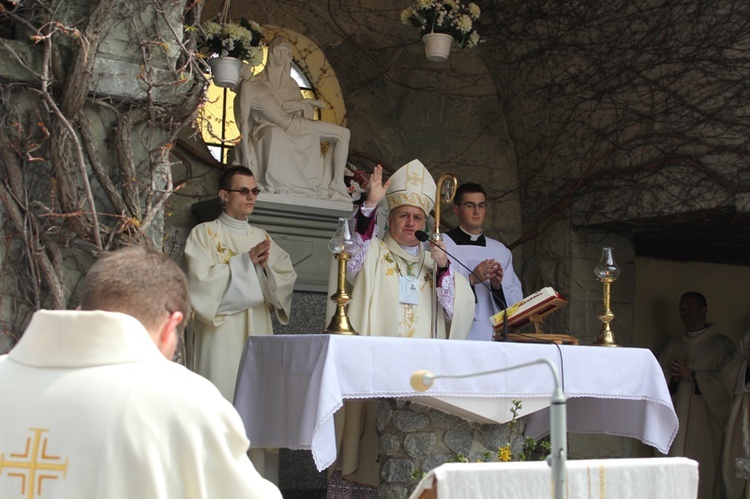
[375,310]
[702,405]
[231,297]
[471,253]
[91,409]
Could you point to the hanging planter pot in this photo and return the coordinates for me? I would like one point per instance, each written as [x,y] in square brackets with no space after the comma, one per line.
[437,46]
[225,71]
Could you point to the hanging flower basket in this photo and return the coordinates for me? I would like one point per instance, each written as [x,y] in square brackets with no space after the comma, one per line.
[226,45]
[437,46]
[447,20]
[225,71]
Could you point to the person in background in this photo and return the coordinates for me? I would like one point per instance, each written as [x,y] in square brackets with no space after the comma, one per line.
[693,366]
[93,407]
[737,430]
[490,260]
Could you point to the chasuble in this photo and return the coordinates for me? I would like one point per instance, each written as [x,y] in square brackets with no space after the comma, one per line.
[231,297]
[702,405]
[92,409]
[375,309]
[737,430]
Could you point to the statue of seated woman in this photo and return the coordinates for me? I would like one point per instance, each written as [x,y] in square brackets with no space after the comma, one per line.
[280,142]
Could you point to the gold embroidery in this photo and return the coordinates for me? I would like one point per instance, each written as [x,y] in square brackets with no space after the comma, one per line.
[414,179]
[407,326]
[391,268]
[412,199]
[33,463]
[224,251]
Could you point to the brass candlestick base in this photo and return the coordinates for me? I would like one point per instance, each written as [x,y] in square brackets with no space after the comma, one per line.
[340,321]
[606,337]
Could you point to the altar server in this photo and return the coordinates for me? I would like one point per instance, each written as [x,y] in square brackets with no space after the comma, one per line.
[237,275]
[490,260]
[392,293]
[92,408]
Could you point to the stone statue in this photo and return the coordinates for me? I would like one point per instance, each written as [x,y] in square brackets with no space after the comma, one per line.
[280,141]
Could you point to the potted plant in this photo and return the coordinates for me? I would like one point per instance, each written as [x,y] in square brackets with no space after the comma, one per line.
[227,45]
[442,22]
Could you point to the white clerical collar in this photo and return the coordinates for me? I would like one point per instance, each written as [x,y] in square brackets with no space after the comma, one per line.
[233,224]
[695,334]
[75,338]
[412,250]
[473,237]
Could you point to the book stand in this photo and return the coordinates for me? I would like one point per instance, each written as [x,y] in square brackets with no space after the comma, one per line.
[538,336]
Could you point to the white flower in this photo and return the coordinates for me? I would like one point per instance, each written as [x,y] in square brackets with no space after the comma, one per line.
[212,29]
[231,40]
[473,39]
[451,17]
[355,190]
[464,23]
[256,56]
[474,10]
[406,14]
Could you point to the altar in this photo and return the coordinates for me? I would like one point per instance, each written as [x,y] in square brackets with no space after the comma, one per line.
[665,478]
[289,386]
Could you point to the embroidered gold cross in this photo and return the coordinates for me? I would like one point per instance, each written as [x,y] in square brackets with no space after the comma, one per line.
[34,464]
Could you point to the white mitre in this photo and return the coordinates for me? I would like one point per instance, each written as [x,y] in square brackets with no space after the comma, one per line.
[411,185]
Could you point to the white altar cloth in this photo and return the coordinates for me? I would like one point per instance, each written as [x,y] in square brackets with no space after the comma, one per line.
[289,386]
[663,478]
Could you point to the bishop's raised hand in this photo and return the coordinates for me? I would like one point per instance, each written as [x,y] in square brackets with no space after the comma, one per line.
[377,188]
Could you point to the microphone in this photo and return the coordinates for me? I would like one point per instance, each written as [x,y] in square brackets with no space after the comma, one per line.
[423,237]
[423,379]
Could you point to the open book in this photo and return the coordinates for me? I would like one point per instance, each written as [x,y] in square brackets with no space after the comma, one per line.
[543,302]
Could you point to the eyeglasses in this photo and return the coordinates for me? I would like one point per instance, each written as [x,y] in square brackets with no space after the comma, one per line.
[245,191]
[471,206]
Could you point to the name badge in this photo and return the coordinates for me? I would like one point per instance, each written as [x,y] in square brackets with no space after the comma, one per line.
[408,290]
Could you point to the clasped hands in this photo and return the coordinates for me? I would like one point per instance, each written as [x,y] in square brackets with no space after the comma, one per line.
[679,369]
[260,252]
[488,270]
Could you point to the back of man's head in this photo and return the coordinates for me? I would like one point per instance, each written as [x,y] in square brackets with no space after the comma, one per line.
[142,283]
[468,188]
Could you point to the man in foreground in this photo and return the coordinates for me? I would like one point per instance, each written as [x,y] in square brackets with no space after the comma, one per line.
[93,407]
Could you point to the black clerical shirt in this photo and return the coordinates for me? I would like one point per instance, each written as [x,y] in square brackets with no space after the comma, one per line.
[462,238]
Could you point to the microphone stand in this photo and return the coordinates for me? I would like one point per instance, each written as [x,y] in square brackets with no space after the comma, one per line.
[423,237]
[422,380]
